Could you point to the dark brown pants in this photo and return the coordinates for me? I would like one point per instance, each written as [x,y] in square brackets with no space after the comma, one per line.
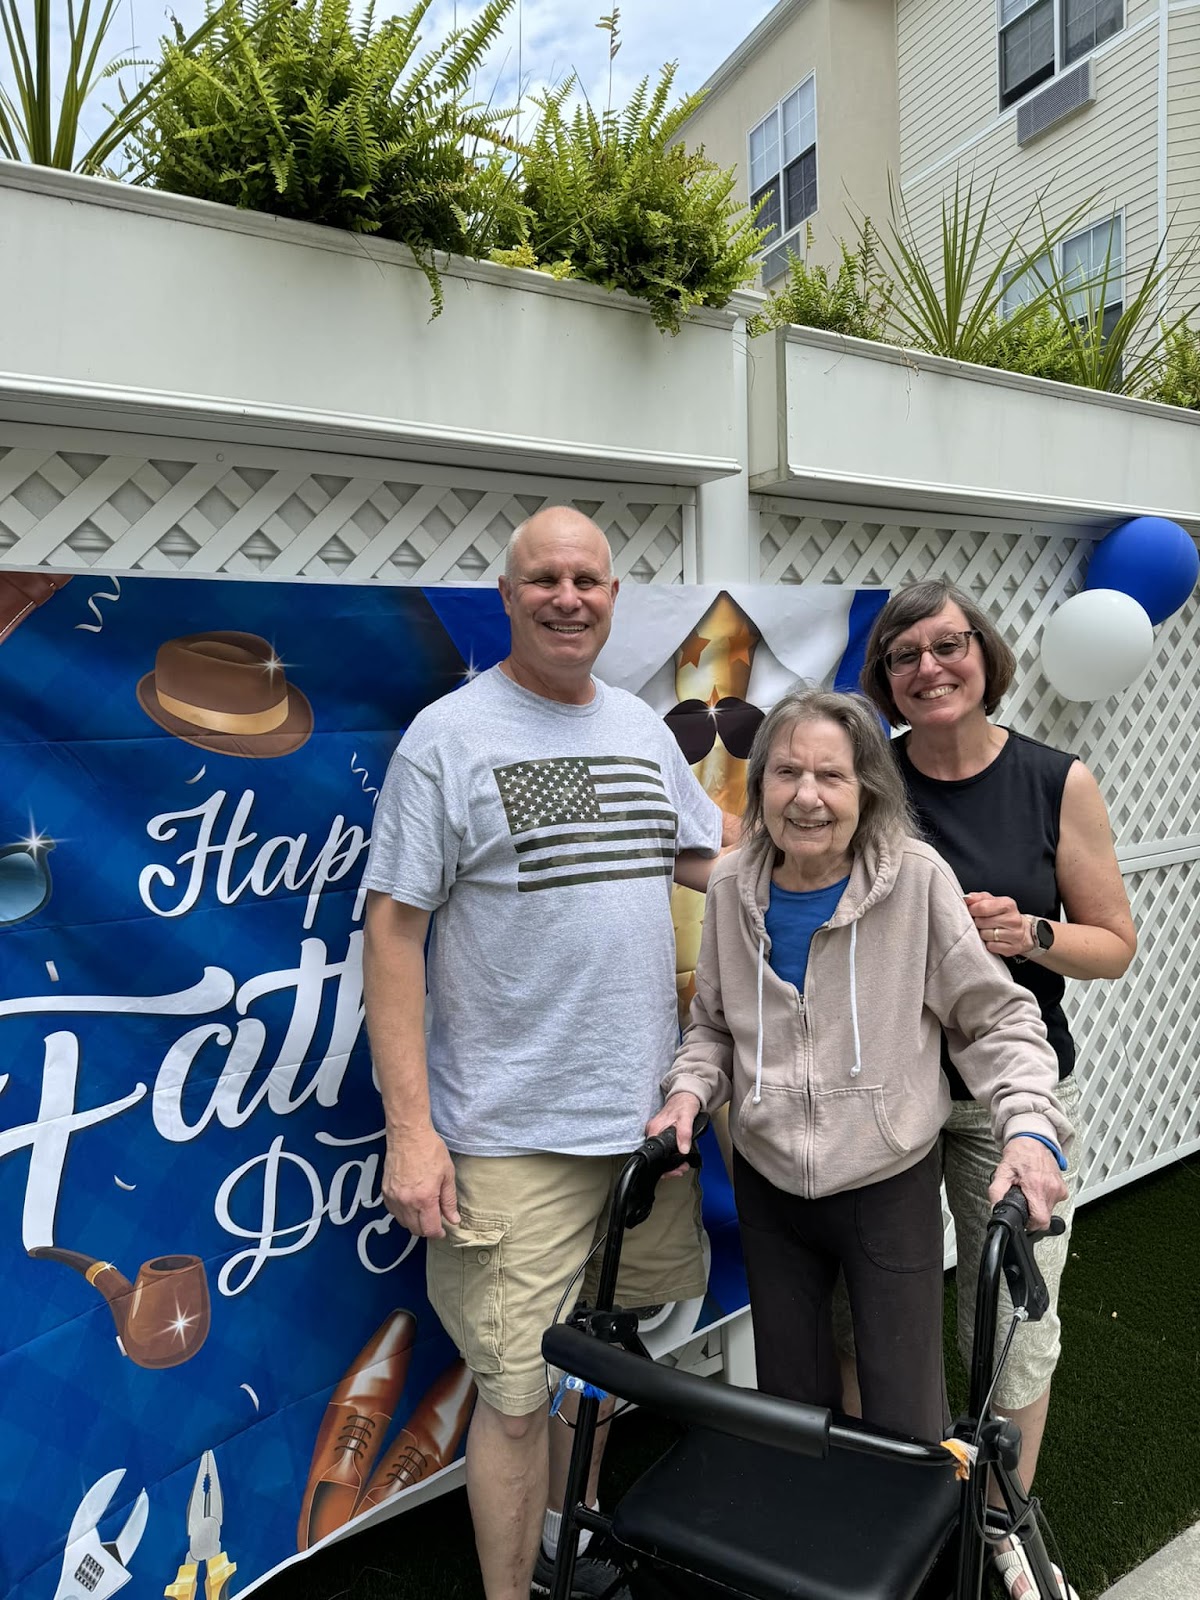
[887,1239]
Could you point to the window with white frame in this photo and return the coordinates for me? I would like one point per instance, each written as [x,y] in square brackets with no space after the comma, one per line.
[1038,38]
[783,163]
[1092,265]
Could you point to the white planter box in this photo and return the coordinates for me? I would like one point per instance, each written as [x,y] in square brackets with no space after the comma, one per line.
[123,305]
[843,420]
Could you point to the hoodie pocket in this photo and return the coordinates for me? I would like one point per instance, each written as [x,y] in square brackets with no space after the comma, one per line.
[772,1134]
[853,1138]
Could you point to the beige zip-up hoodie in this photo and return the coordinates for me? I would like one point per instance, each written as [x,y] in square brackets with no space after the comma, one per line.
[841,1086]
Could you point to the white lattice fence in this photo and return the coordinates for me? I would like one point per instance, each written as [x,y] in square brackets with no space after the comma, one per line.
[194,509]
[1139,1039]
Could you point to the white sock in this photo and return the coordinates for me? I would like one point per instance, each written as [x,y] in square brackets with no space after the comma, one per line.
[552,1522]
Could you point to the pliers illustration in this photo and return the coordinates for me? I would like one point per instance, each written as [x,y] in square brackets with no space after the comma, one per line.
[204,1513]
[92,1570]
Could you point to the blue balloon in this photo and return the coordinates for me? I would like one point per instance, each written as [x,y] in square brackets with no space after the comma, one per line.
[1153,561]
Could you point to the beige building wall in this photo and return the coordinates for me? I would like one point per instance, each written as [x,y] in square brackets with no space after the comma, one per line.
[1105,154]
[1183,143]
[851,47]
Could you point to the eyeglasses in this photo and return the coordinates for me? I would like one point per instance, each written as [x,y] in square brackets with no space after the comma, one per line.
[904,662]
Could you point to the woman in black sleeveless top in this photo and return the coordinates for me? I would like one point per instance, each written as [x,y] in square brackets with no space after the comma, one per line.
[1026,831]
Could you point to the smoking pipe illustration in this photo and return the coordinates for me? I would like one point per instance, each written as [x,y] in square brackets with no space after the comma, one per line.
[162,1317]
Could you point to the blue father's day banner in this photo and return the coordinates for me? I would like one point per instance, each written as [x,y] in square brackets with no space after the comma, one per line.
[216,1346]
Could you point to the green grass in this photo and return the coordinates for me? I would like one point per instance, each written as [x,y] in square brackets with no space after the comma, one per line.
[1120,1469]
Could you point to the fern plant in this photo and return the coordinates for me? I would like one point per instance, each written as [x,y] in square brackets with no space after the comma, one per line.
[302,111]
[1039,346]
[631,208]
[853,300]
[1176,380]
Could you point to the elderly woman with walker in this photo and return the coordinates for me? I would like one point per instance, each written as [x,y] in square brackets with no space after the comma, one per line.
[836,948]
[1025,829]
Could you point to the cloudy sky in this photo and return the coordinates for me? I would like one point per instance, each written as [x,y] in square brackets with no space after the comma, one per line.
[548,38]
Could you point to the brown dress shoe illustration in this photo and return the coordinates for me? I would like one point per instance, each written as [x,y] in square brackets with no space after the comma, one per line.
[352,1429]
[429,1439]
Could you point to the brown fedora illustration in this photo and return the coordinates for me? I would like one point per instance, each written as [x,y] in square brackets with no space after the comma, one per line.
[226,693]
[163,1318]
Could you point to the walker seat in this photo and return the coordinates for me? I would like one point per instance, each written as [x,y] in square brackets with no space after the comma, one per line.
[731,1516]
[768,1499]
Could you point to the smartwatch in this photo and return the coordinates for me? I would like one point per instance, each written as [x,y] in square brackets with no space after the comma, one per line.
[1041,931]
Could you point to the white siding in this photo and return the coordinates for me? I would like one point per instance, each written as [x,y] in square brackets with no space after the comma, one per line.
[1183,139]
[946,60]
[1107,154]
[948,75]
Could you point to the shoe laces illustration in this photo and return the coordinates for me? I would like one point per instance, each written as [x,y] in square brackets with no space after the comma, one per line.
[428,1440]
[341,1484]
[93,1568]
[162,1317]
[205,1513]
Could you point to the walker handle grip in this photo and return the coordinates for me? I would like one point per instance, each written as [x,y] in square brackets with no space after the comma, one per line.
[661,1152]
[1026,1286]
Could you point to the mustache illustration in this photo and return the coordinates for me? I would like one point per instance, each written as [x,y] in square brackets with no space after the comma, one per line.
[163,1317]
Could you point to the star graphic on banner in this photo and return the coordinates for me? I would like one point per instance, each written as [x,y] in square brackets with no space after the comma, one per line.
[691,650]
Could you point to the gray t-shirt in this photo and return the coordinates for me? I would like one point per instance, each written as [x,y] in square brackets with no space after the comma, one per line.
[543,837]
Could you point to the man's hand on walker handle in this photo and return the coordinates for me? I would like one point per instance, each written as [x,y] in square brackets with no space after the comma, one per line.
[680,1112]
[418,1181]
[1035,1172]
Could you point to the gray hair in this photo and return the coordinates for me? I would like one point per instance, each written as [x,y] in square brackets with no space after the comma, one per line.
[884,814]
[915,603]
[572,513]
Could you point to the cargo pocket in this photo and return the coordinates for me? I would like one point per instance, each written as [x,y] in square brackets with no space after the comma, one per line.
[466,1285]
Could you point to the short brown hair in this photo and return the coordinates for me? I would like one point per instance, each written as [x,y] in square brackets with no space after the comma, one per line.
[884,814]
[913,604]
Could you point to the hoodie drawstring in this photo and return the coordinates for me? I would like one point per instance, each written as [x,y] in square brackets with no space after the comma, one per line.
[759,1045]
[857,1067]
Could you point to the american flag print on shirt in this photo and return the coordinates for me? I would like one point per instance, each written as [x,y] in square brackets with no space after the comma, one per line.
[587,819]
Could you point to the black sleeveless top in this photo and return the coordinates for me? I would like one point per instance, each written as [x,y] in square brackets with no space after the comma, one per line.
[999,832]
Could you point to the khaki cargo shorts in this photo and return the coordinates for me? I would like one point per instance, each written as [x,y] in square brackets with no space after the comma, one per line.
[528,1225]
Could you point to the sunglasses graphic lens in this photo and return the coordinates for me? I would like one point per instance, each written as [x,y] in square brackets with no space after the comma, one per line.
[697,726]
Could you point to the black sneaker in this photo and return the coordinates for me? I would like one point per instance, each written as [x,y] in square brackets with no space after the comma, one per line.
[595,1579]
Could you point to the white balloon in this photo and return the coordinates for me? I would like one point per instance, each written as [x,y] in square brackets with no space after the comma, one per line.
[1096,644]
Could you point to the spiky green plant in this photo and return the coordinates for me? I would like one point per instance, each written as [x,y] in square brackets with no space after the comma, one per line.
[42,121]
[940,303]
[304,112]
[621,199]
[1122,358]
[853,300]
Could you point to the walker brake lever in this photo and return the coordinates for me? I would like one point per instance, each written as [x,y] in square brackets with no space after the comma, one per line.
[1026,1286]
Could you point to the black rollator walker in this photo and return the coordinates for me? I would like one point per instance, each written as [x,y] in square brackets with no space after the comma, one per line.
[773,1500]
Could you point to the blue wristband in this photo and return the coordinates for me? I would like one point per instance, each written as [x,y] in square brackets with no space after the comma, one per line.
[1050,1145]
